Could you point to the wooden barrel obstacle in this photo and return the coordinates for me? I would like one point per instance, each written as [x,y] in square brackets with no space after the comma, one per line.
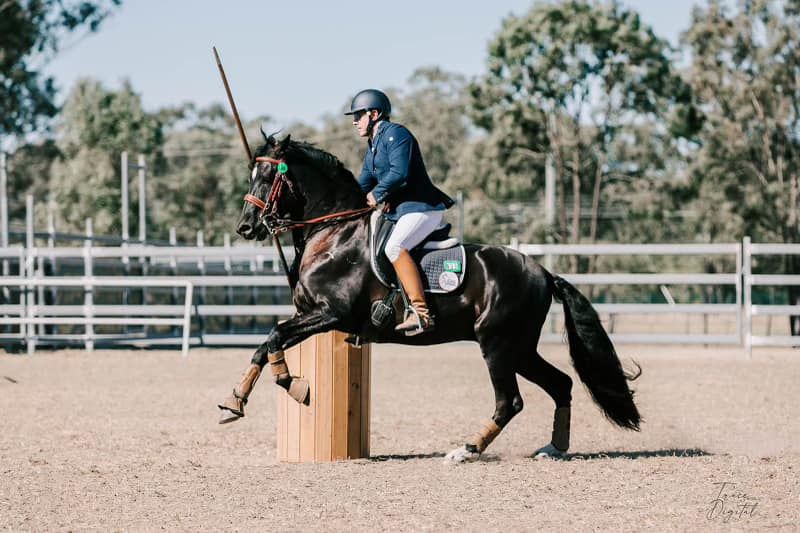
[335,423]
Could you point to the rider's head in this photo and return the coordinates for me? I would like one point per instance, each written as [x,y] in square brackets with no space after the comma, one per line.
[369,107]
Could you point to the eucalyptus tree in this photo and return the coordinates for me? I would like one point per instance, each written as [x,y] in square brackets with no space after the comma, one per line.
[201,185]
[95,126]
[744,161]
[31,32]
[570,80]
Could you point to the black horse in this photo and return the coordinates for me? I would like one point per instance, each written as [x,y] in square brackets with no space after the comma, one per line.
[502,304]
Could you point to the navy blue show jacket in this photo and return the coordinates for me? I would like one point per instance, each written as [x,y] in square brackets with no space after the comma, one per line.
[395,173]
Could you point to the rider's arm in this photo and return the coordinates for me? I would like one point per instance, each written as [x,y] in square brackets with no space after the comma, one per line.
[399,163]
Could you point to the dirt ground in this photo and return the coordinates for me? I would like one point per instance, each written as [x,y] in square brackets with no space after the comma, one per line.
[129,440]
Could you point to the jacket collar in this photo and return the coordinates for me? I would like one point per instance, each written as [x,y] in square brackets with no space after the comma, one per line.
[382,125]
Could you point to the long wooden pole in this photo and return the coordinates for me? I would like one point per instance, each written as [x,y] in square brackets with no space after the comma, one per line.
[233,106]
[275,240]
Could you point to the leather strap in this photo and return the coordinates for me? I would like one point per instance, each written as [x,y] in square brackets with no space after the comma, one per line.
[485,436]
[561,421]
[277,364]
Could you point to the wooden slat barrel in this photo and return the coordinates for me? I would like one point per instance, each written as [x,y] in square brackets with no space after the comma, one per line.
[335,424]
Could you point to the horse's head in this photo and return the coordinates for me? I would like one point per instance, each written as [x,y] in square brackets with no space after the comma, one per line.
[273,192]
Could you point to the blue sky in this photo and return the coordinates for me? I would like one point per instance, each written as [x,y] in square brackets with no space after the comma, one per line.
[294,59]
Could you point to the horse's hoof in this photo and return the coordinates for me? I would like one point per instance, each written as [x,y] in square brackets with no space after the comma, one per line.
[227,416]
[232,409]
[548,452]
[461,455]
[299,390]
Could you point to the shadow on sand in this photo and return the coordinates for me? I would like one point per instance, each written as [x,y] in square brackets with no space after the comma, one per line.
[404,457]
[643,454]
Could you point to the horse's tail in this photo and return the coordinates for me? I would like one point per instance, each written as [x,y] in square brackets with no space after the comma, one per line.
[595,359]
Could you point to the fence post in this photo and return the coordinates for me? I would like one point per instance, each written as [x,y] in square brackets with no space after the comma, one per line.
[173,265]
[29,272]
[142,200]
[748,297]
[4,218]
[125,226]
[739,304]
[201,266]
[88,289]
[4,207]
[460,202]
[226,240]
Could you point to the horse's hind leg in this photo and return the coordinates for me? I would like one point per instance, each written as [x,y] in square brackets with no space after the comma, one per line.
[559,386]
[508,401]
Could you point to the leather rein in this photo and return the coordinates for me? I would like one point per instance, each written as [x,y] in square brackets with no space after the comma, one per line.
[269,209]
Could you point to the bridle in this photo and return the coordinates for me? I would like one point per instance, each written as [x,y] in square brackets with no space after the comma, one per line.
[269,208]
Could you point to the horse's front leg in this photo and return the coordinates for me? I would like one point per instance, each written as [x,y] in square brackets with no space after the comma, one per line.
[285,335]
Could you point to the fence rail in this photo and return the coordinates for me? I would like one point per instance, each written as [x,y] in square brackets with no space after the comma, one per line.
[253,268]
[733,279]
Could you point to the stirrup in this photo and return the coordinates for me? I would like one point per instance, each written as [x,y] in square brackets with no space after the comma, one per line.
[423,323]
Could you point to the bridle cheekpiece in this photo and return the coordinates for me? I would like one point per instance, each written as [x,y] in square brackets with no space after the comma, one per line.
[269,209]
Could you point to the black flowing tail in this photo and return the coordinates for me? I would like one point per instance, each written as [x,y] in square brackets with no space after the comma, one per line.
[595,359]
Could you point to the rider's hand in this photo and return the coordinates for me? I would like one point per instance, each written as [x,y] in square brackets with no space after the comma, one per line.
[371,200]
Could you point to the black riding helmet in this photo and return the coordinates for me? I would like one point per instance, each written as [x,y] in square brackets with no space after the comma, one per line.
[371,99]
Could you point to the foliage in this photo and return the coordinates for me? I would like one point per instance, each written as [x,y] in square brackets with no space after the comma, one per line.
[200,187]
[95,127]
[31,31]
[570,80]
[744,162]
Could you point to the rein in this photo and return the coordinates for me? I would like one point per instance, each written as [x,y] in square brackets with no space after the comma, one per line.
[276,224]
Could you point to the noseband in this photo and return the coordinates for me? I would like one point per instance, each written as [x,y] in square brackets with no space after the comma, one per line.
[269,209]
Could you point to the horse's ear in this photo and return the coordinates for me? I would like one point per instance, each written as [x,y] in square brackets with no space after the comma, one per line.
[284,144]
[264,134]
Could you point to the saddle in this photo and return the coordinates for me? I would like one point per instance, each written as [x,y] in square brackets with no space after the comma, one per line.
[441,258]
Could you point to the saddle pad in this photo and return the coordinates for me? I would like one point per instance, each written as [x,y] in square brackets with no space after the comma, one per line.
[443,270]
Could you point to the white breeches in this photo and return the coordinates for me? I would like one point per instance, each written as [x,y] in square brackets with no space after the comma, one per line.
[410,230]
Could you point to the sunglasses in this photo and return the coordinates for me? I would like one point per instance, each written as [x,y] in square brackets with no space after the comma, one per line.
[358,114]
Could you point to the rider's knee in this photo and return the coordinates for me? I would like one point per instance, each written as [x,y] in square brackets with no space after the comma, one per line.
[392,251]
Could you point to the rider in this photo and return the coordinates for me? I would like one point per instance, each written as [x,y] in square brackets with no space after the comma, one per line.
[394,173]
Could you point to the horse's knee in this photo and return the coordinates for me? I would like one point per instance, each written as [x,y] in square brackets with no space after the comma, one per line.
[507,410]
[272,345]
[517,404]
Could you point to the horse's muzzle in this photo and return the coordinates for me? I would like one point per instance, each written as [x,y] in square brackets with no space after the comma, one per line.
[247,231]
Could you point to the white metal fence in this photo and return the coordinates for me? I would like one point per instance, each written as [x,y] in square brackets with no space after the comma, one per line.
[661,280]
[255,266]
[752,251]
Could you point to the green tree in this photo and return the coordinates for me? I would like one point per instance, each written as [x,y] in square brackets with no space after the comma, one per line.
[206,174]
[570,80]
[32,30]
[96,125]
[744,162]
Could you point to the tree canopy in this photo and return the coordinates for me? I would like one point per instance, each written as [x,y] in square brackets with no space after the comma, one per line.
[31,31]
[647,143]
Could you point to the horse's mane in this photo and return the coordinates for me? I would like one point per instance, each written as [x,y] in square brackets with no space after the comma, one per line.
[311,154]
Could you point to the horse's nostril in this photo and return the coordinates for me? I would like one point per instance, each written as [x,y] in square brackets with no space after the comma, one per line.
[244,229]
